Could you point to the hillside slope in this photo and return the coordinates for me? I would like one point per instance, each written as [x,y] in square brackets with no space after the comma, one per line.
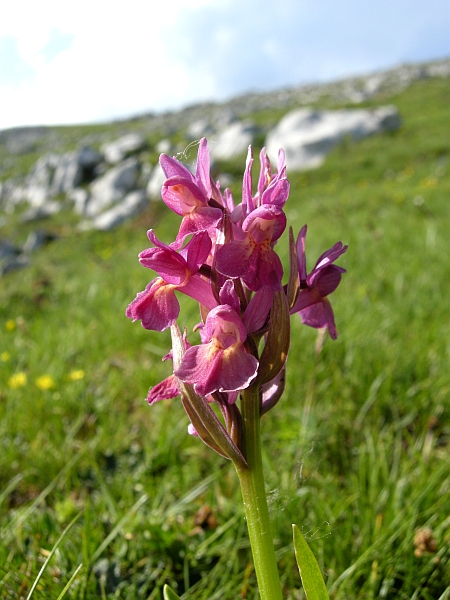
[356,451]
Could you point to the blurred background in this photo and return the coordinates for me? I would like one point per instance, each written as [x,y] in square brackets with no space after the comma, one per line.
[357,450]
[78,62]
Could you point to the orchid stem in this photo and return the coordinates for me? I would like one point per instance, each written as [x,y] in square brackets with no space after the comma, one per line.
[255,501]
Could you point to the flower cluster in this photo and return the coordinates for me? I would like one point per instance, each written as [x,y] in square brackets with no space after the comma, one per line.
[229,266]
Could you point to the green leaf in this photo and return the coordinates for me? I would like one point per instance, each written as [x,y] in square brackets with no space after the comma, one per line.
[276,348]
[312,579]
[293,283]
[202,416]
[169,594]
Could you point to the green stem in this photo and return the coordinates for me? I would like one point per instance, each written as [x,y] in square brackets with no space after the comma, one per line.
[255,501]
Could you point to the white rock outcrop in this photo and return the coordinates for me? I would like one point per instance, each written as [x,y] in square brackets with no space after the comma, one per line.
[80,199]
[308,135]
[154,185]
[231,141]
[133,203]
[53,175]
[112,187]
[114,152]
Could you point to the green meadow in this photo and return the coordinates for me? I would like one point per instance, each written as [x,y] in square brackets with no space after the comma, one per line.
[356,452]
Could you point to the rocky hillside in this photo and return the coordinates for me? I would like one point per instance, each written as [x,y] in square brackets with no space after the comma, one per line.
[354,90]
[104,174]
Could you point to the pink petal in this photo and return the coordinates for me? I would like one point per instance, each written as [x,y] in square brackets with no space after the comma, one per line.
[314,316]
[202,175]
[329,317]
[173,168]
[277,193]
[227,295]
[200,367]
[198,288]
[320,315]
[233,258]
[210,369]
[182,195]
[203,218]
[330,255]
[247,199]
[265,174]
[166,389]
[256,312]
[305,299]
[238,370]
[156,307]
[328,280]
[281,161]
[265,222]
[225,324]
[196,252]
[264,268]
[192,430]
[167,263]
[301,256]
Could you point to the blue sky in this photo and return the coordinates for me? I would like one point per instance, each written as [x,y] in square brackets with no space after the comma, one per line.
[67,62]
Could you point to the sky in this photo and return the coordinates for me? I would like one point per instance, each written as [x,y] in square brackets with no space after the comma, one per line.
[64,62]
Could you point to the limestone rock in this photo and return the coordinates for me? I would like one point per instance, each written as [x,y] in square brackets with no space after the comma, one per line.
[53,175]
[67,174]
[114,152]
[80,199]
[131,205]
[164,146]
[14,263]
[232,141]
[88,158]
[44,211]
[112,186]
[8,250]
[73,169]
[36,239]
[155,183]
[307,135]
[12,194]
[35,195]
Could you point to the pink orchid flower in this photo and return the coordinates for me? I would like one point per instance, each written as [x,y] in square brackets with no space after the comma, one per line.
[253,258]
[312,302]
[188,195]
[221,364]
[157,306]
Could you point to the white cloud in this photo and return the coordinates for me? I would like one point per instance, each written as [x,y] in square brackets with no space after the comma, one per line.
[118,63]
[139,56]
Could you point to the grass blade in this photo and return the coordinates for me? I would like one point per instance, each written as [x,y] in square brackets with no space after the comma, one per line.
[69,583]
[55,547]
[10,487]
[169,594]
[310,573]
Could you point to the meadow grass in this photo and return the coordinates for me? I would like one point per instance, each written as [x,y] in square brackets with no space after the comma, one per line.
[356,452]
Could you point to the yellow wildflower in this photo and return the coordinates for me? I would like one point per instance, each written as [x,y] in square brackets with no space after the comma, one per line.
[76,375]
[428,182]
[5,356]
[45,382]
[10,325]
[17,381]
